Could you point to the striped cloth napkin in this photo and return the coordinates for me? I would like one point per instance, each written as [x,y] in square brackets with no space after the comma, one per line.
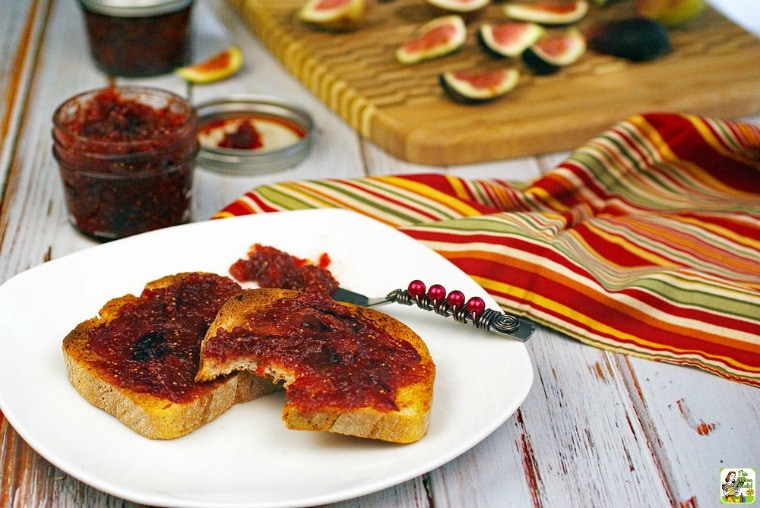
[644,241]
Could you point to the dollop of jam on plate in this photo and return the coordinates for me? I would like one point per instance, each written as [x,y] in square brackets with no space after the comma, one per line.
[272,268]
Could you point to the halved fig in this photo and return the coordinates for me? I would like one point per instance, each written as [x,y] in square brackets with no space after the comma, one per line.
[508,39]
[479,86]
[466,8]
[336,15]
[635,39]
[218,67]
[555,50]
[435,38]
[548,12]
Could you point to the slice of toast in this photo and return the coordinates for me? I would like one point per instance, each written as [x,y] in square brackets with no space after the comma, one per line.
[346,369]
[138,358]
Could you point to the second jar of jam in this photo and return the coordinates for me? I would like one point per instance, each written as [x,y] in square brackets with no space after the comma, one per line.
[126,156]
[138,38]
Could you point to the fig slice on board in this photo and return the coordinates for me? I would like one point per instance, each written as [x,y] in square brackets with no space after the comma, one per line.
[334,15]
[466,8]
[548,12]
[478,86]
[636,39]
[218,67]
[555,50]
[508,39]
[433,39]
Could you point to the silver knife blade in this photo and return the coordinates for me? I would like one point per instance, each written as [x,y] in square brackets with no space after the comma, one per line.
[347,296]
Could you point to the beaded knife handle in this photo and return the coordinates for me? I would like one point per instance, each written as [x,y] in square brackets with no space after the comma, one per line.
[454,304]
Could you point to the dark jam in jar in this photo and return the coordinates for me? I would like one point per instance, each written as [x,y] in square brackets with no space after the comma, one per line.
[126,157]
[146,38]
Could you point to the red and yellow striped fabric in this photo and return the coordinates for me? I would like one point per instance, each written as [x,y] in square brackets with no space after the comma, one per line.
[645,241]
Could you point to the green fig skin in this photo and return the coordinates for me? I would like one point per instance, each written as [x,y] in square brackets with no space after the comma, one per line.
[635,39]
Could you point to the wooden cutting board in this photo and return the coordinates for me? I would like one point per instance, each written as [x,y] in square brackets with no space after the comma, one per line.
[714,70]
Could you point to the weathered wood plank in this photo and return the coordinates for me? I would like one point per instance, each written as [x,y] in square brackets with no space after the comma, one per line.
[576,441]
[21,24]
[698,424]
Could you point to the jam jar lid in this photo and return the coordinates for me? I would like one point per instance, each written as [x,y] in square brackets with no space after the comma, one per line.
[134,8]
[278,134]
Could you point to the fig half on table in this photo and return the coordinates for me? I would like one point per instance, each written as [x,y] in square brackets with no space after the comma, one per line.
[218,67]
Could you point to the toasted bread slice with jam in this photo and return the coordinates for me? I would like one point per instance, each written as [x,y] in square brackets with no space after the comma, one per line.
[346,369]
[137,359]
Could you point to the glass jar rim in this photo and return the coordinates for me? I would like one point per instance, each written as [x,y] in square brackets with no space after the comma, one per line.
[134,8]
[133,146]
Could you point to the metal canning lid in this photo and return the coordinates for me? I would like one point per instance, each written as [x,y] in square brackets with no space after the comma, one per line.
[134,8]
[245,161]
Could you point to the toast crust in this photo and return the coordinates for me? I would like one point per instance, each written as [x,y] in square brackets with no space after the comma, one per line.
[155,413]
[406,421]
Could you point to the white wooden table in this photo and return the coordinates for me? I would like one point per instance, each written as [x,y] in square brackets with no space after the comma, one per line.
[597,429]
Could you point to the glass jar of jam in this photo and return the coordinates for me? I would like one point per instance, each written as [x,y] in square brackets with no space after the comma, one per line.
[138,38]
[126,156]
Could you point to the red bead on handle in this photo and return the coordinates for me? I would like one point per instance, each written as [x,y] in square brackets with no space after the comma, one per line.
[436,293]
[453,305]
[455,299]
[416,288]
[476,306]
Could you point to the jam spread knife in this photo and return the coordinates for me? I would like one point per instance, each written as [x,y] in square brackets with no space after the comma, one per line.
[453,304]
